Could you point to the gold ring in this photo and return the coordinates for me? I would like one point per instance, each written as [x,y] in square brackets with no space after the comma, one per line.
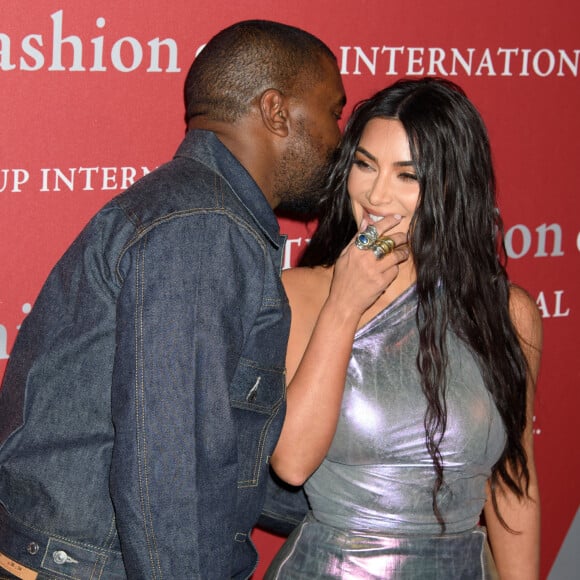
[383,246]
[387,243]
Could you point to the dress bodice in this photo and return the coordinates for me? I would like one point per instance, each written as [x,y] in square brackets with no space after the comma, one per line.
[378,474]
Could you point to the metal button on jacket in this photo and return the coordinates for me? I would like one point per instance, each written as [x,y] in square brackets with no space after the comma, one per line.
[60,557]
[32,548]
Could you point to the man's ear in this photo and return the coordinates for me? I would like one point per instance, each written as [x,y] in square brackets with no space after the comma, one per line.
[274,111]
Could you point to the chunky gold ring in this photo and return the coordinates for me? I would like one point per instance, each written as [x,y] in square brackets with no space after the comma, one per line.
[383,246]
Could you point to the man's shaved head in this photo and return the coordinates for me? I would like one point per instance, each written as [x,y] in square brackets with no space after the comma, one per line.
[242,61]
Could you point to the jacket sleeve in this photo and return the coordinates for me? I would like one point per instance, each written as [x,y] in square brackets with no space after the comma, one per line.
[284,508]
[182,316]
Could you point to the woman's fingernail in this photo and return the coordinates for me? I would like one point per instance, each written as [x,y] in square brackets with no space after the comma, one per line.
[397,216]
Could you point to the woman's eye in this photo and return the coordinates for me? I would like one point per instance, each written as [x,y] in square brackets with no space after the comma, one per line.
[408,176]
[361,164]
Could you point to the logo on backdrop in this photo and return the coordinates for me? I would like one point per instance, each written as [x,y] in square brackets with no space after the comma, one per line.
[65,49]
[36,52]
[54,179]
[438,61]
[545,241]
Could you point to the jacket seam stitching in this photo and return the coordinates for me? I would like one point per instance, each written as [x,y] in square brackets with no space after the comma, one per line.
[140,415]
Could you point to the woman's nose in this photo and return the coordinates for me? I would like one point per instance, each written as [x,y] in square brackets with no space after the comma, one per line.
[379,194]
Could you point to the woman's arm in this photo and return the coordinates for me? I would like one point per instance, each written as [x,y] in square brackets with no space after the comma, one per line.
[324,322]
[517,555]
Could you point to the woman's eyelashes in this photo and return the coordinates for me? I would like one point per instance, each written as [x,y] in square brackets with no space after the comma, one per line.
[362,164]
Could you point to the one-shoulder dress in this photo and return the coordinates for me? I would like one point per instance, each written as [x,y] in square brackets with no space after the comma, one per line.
[371,498]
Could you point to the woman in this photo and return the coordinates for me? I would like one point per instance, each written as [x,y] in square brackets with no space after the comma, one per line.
[411,395]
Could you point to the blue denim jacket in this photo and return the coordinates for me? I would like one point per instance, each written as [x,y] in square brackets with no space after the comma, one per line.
[145,390]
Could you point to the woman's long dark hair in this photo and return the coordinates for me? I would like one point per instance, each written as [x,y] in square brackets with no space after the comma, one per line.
[456,237]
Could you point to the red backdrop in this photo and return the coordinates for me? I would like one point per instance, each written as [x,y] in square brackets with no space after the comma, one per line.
[90,99]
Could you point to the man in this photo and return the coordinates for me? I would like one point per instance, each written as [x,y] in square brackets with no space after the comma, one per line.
[145,390]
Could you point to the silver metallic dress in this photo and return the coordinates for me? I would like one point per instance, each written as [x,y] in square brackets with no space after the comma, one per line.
[371,499]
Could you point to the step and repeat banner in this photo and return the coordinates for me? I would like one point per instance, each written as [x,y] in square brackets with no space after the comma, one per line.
[91,100]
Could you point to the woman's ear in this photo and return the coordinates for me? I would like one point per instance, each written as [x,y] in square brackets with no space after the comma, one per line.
[274,111]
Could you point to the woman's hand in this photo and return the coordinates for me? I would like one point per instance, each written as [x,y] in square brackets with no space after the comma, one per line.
[360,277]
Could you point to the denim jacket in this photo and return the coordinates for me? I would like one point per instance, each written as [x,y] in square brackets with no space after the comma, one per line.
[145,390]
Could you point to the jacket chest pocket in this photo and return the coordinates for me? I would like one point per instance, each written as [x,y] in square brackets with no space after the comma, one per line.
[256,396]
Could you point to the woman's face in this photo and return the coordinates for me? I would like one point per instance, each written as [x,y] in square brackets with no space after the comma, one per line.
[382,181]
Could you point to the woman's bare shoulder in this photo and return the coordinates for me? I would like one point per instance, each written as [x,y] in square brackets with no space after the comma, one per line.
[525,316]
[307,288]
[307,280]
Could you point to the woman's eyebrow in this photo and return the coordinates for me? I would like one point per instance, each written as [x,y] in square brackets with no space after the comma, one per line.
[366,153]
[362,150]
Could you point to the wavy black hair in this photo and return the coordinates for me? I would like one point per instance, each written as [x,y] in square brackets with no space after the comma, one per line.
[456,237]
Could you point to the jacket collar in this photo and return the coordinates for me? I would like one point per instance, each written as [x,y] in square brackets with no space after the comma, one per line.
[205,147]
